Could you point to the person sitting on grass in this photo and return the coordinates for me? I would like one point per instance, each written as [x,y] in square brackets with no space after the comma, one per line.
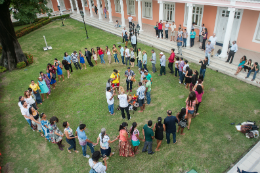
[182,121]
[241,64]
[97,167]
[159,128]
[148,136]
[140,96]
[135,138]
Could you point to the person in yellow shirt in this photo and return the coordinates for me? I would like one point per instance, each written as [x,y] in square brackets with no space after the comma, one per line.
[115,76]
[36,89]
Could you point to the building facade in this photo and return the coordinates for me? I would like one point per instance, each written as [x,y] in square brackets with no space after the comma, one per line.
[230,19]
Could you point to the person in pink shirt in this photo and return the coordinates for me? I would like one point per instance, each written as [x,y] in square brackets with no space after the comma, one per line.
[160,31]
[135,137]
[199,93]
[171,61]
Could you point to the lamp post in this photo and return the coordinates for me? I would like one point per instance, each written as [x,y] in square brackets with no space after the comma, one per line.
[61,16]
[82,15]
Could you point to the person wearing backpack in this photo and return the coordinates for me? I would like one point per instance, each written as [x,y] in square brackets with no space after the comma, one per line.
[97,167]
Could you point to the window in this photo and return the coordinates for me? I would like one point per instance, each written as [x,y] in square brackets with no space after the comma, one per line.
[131,7]
[86,3]
[168,12]
[256,37]
[147,9]
[197,13]
[225,13]
[117,6]
[92,3]
[106,4]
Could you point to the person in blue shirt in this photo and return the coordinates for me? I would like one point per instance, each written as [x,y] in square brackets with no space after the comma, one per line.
[122,52]
[179,44]
[68,59]
[192,37]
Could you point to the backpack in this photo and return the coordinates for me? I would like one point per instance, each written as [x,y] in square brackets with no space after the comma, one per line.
[219,52]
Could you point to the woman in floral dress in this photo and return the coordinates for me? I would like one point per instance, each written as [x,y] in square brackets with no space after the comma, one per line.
[125,148]
[45,123]
[55,134]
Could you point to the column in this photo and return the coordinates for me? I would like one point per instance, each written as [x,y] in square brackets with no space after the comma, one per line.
[59,5]
[71,6]
[76,2]
[189,21]
[83,6]
[90,8]
[109,11]
[140,15]
[99,10]
[122,13]
[228,33]
[160,10]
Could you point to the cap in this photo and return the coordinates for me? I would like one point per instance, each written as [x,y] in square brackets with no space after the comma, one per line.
[161,53]
[103,130]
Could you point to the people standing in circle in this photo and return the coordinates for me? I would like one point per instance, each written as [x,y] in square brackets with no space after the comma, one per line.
[59,71]
[47,80]
[199,93]
[70,138]
[191,102]
[68,59]
[104,143]
[159,127]
[148,136]
[123,104]
[160,29]
[100,52]
[132,57]
[170,126]
[130,75]
[181,116]
[108,54]
[82,60]
[45,123]
[84,141]
[97,166]
[140,94]
[53,81]
[115,76]
[125,148]
[145,60]
[130,18]
[153,61]
[55,134]
[66,66]
[75,60]
[94,55]
[171,61]
[36,89]
[162,62]
[188,76]
[110,100]
[205,37]
[140,59]
[135,138]
[232,52]
[203,67]
[25,112]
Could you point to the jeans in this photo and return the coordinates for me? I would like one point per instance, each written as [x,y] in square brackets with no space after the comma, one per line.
[168,137]
[180,73]
[182,77]
[30,122]
[154,68]
[208,55]
[84,148]
[116,59]
[166,33]
[162,70]
[184,42]
[126,109]
[102,58]
[180,50]
[176,71]
[160,33]
[139,64]
[123,60]
[105,15]
[231,55]
[191,42]
[145,67]
[72,143]
[77,65]
[170,65]
[127,84]
[126,60]
[204,44]
[255,72]
[148,97]
[203,71]
[111,108]
[149,145]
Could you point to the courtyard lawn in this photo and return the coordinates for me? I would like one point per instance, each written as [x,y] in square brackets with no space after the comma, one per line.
[211,145]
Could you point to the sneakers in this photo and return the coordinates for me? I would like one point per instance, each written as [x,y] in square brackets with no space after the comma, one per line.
[87,156]
[126,90]
[129,118]
[179,82]
[151,153]
[130,90]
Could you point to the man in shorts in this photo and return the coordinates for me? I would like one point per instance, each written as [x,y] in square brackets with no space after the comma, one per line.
[140,96]
[173,27]
[115,76]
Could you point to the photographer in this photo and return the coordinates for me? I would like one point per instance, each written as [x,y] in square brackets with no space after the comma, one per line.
[97,166]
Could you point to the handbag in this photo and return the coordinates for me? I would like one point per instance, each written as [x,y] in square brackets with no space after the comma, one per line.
[246,128]
[183,123]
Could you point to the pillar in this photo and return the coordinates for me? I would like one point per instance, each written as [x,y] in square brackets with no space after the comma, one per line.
[71,6]
[140,15]
[83,6]
[99,10]
[228,32]
[122,13]
[76,2]
[59,5]
[160,10]
[90,8]
[109,11]
[189,21]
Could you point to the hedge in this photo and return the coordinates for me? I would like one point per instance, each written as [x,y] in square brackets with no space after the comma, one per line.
[2,69]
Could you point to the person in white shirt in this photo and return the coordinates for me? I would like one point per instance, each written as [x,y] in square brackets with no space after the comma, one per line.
[123,34]
[110,100]
[97,166]
[200,35]
[25,112]
[173,27]
[232,52]
[127,56]
[213,40]
[21,98]
[166,26]
[123,104]
[133,42]
[162,62]
[130,18]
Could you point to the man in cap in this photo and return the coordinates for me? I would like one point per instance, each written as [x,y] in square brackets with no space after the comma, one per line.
[162,62]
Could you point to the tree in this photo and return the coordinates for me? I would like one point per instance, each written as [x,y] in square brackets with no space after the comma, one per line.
[26,11]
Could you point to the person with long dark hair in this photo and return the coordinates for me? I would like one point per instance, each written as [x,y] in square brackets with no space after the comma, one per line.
[55,134]
[45,123]
[194,79]
[159,127]
[199,93]
[67,67]
[81,59]
[28,98]
[95,165]
[104,143]
[182,121]
[35,117]
[188,77]
[203,67]
[125,148]
[47,80]
[70,138]
[68,59]
[205,36]
[53,80]
[135,138]
[243,61]
[191,102]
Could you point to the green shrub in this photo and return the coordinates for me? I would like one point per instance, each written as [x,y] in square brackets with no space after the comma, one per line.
[21,64]
[29,58]
[59,17]
[2,69]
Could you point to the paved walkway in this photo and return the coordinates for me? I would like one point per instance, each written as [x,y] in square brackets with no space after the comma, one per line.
[250,162]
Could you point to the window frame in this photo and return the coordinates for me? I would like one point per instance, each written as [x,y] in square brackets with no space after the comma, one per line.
[257,30]
[128,5]
[115,2]
[186,16]
[173,17]
[86,3]
[143,9]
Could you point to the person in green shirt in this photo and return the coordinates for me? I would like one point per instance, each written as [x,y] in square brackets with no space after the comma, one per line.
[148,76]
[148,136]
[192,37]
[140,59]
[147,90]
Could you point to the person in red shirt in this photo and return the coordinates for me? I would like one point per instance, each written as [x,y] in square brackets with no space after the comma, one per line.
[160,31]
[171,61]
[100,52]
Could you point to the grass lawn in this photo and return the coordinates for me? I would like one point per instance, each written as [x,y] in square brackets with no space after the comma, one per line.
[211,145]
